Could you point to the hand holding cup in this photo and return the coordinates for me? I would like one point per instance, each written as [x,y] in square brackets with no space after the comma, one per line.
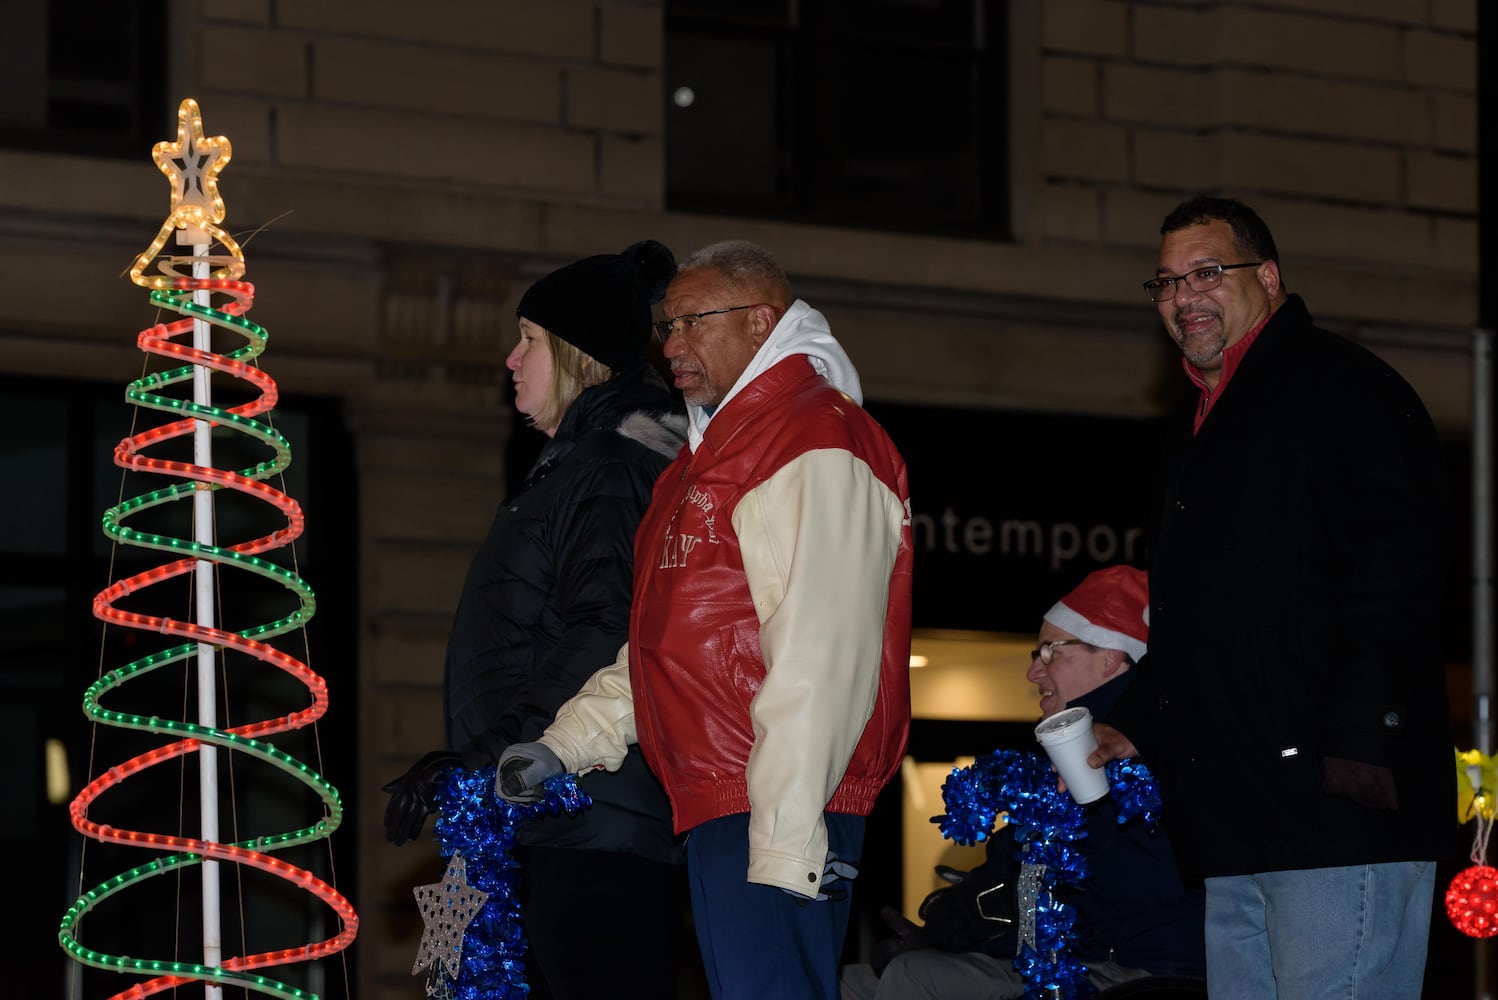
[1068,740]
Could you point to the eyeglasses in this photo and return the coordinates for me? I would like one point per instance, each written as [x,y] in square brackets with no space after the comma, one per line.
[1200,280]
[1047,650]
[689,321]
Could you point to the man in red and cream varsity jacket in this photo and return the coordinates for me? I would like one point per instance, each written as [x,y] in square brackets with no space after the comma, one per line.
[766,675]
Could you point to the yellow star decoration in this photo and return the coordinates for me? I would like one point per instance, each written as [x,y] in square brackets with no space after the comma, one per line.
[447,908]
[192,165]
[1476,785]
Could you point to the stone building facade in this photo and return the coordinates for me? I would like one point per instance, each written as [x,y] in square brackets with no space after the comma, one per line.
[401,174]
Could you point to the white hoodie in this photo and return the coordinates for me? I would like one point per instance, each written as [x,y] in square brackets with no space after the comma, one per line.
[802,330]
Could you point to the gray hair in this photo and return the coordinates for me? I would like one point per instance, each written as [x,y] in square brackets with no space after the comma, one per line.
[745,264]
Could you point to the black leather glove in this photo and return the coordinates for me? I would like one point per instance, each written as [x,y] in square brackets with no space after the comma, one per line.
[523,769]
[974,908]
[1369,785]
[907,936]
[413,796]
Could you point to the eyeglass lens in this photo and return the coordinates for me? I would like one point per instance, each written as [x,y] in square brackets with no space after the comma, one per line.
[1047,650]
[1203,280]
[690,321]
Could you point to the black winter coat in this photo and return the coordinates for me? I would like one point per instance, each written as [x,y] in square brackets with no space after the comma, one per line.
[546,603]
[1296,558]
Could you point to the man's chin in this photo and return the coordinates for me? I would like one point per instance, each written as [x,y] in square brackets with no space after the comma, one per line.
[690,386]
[1205,352]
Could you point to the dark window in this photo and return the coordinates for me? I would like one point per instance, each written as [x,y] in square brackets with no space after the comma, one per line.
[885,114]
[86,80]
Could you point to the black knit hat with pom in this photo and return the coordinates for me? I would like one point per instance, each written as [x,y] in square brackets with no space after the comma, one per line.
[601,305]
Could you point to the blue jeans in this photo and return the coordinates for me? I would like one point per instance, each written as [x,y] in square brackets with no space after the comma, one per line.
[1356,933]
[759,942]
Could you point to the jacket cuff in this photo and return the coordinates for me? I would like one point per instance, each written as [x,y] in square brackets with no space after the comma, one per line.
[791,873]
[563,749]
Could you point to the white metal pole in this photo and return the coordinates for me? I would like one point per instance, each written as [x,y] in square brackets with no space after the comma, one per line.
[1482,538]
[1482,585]
[203,532]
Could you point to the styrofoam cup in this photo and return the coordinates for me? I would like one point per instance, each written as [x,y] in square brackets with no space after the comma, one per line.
[1067,738]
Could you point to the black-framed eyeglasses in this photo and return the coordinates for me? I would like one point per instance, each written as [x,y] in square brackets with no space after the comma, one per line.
[689,321]
[1200,279]
[1047,650]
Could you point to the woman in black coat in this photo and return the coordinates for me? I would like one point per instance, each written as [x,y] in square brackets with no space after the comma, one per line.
[546,603]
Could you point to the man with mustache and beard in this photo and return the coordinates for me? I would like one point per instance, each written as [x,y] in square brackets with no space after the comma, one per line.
[766,678]
[1293,701]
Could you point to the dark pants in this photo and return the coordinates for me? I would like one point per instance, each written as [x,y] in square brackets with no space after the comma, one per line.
[599,923]
[759,942]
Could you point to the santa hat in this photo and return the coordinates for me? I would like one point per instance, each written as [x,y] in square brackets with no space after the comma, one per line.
[601,305]
[1110,608]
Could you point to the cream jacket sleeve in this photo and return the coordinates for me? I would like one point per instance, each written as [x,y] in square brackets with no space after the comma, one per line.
[595,727]
[819,540]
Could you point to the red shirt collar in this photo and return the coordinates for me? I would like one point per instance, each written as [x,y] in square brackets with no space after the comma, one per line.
[1231,358]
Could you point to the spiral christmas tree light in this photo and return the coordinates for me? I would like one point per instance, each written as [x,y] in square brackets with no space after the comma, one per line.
[212,301]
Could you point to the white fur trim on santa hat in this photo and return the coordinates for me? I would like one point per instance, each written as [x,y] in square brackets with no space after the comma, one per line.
[1068,620]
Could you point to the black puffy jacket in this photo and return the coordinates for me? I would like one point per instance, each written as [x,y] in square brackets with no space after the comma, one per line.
[545,603]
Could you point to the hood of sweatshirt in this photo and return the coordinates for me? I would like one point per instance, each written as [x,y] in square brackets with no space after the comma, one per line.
[802,330]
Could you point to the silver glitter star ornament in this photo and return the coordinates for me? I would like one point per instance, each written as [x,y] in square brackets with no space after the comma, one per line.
[1031,876]
[447,908]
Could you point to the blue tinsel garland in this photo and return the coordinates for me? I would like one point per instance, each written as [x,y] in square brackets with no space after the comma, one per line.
[1046,825]
[475,821]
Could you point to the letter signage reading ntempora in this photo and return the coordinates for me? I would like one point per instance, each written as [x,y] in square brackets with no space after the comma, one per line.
[1010,510]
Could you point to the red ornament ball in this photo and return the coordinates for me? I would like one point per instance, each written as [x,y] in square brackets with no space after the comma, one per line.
[1472,901]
